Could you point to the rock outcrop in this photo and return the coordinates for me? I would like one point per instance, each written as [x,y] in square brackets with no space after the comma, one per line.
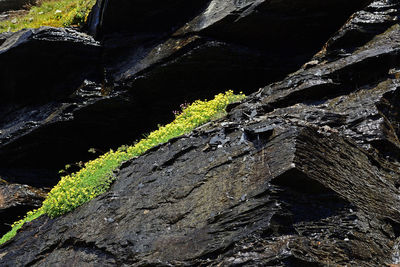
[43,74]
[304,172]
[199,49]
[15,201]
[153,56]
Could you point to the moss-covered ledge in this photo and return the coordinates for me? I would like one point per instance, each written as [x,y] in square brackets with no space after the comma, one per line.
[55,13]
[97,175]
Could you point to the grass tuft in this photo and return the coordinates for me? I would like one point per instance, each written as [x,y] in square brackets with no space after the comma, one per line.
[97,175]
[55,13]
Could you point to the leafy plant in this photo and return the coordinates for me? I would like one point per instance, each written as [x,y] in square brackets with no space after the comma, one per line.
[97,175]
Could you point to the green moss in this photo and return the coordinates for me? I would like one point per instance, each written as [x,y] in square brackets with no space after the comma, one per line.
[30,216]
[97,175]
[56,13]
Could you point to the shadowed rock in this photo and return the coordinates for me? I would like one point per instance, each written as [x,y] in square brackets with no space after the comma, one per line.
[304,172]
[15,201]
[40,70]
[155,56]
[204,50]
[6,5]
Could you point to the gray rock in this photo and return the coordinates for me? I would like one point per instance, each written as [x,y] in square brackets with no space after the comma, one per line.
[304,172]
[15,201]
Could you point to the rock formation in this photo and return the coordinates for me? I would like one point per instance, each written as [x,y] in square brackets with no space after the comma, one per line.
[304,172]
[171,52]
[17,200]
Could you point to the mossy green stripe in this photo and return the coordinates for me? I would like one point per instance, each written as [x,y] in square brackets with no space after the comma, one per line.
[56,13]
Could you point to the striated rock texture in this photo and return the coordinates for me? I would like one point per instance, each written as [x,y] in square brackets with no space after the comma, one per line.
[304,172]
[15,201]
[150,57]
[44,73]
[210,46]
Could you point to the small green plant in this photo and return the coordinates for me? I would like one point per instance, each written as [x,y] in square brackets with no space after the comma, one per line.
[97,175]
[56,13]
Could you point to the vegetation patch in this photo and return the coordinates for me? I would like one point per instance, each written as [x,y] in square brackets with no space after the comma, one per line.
[97,175]
[56,13]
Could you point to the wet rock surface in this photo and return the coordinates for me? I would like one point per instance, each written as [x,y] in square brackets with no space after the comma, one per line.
[150,57]
[41,72]
[203,51]
[15,201]
[304,172]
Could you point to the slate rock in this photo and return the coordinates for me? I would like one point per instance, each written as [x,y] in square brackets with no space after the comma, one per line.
[153,56]
[202,50]
[15,201]
[23,82]
[303,172]
[32,96]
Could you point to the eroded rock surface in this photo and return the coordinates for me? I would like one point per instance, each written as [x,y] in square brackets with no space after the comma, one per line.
[304,172]
[41,72]
[150,57]
[15,201]
[215,45]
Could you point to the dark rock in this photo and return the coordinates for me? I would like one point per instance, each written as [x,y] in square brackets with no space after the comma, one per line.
[304,172]
[22,82]
[169,53]
[41,70]
[15,201]
[362,27]
[149,48]
[6,5]
[301,194]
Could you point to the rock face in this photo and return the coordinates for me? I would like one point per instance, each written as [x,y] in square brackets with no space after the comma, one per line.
[304,172]
[43,73]
[15,201]
[200,48]
[153,56]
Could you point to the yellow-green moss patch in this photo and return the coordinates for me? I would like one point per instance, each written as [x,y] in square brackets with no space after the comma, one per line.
[56,13]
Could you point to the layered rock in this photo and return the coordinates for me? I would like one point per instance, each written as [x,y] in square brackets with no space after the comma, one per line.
[154,55]
[15,201]
[43,73]
[304,172]
[204,50]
